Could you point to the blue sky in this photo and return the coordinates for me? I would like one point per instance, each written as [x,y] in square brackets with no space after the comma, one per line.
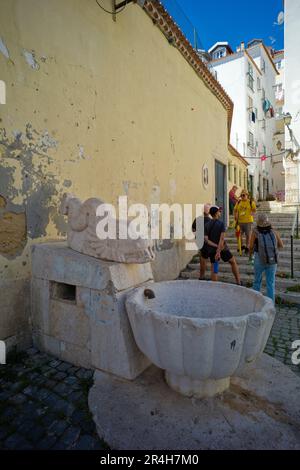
[229,20]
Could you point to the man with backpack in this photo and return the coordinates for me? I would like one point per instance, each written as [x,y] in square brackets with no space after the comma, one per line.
[217,249]
[244,210]
[265,242]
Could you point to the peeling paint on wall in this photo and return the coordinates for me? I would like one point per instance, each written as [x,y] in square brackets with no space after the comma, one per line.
[30,59]
[3,49]
[38,186]
[12,233]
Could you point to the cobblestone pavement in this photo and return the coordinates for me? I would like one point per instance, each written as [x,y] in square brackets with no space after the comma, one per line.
[285,331]
[43,404]
[43,401]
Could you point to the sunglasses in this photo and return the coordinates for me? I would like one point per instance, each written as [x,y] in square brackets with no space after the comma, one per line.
[244,195]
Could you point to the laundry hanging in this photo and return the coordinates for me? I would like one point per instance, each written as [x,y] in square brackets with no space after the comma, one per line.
[266,105]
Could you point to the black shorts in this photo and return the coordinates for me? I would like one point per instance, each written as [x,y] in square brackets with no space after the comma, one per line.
[204,252]
[226,255]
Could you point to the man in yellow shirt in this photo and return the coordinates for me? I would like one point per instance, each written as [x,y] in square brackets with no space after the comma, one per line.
[244,211]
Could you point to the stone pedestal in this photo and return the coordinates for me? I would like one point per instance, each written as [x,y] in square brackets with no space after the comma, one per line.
[78,312]
[260,410]
[196,388]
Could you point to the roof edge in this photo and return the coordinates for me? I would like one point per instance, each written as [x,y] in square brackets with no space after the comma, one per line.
[234,152]
[162,19]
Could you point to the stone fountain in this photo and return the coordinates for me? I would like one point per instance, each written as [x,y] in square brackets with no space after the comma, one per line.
[200,333]
[95,304]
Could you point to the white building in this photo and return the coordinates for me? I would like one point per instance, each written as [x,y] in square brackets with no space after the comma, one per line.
[249,77]
[278,166]
[292,98]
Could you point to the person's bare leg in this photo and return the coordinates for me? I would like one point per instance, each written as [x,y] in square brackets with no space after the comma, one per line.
[202,268]
[248,236]
[235,270]
[214,276]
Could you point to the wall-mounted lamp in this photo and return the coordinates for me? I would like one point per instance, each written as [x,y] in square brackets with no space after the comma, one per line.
[287,119]
[291,154]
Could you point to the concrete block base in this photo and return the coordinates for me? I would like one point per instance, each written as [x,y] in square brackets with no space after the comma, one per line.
[260,410]
[78,309]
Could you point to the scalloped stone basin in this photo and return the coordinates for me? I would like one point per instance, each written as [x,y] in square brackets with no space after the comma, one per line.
[200,333]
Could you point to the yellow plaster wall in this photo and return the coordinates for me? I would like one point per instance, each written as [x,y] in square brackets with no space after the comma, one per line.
[97,108]
[233,161]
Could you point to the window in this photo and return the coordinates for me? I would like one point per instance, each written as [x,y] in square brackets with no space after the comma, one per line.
[279,94]
[250,108]
[250,76]
[279,112]
[263,124]
[251,140]
[235,175]
[263,65]
[258,84]
[279,65]
[263,94]
[229,171]
[240,177]
[219,54]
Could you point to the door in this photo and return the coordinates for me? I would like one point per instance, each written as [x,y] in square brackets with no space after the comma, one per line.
[220,189]
[251,185]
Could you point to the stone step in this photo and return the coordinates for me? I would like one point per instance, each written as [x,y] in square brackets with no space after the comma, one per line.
[284,254]
[284,264]
[230,236]
[282,227]
[282,295]
[281,284]
[246,269]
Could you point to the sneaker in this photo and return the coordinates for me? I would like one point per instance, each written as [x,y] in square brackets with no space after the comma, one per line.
[240,284]
[246,251]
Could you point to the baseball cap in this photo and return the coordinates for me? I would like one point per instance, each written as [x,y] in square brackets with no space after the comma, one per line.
[213,210]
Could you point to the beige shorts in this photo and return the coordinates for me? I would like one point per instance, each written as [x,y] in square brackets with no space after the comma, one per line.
[246,229]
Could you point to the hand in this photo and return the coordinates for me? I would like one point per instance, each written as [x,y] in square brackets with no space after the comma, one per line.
[218,255]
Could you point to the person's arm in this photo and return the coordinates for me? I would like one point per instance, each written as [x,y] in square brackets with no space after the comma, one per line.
[279,241]
[251,245]
[235,213]
[220,245]
[253,208]
[210,243]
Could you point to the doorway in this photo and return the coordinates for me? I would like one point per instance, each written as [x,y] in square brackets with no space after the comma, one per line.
[220,189]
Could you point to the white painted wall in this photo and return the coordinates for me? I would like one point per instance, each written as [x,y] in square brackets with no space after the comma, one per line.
[292,87]
[232,74]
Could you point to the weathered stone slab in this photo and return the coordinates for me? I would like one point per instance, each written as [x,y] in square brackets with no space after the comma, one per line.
[76,355]
[113,347]
[69,323]
[259,411]
[78,302]
[47,343]
[56,262]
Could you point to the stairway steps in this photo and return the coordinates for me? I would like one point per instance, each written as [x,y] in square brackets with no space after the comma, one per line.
[243,268]
[281,284]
